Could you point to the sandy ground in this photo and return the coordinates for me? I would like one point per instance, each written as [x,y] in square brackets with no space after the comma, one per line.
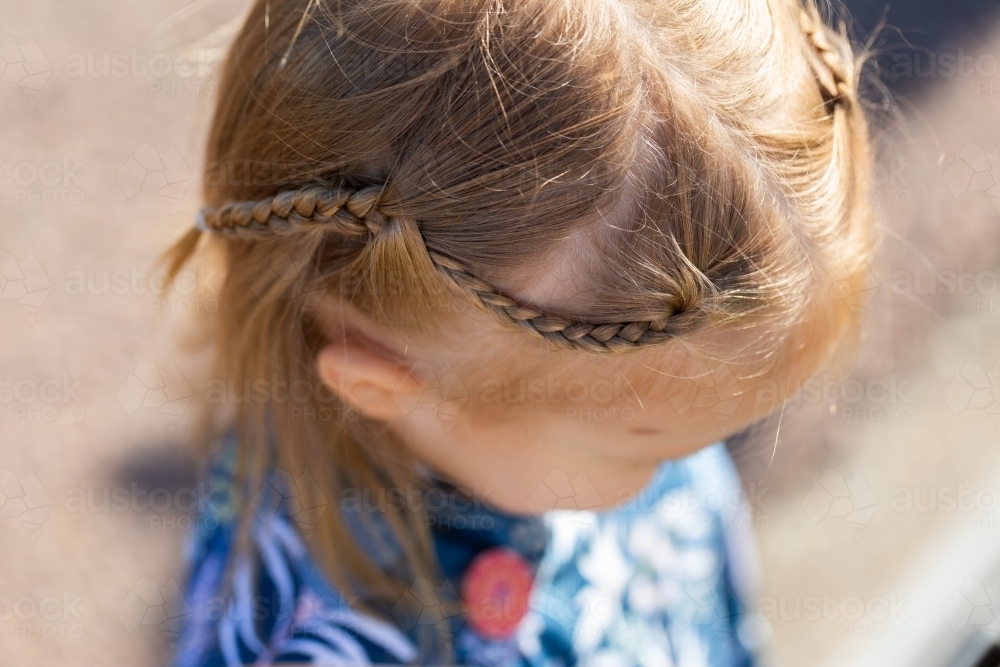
[877,519]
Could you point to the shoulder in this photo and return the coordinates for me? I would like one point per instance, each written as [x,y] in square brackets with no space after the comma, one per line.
[662,568]
[267,602]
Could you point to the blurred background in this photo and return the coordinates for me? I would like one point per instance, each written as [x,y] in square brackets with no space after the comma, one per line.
[876,504]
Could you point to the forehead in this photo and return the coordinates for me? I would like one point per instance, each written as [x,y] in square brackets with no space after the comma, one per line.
[558,281]
[563,279]
[719,360]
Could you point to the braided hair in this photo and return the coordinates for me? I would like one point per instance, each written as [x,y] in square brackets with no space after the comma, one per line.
[355,213]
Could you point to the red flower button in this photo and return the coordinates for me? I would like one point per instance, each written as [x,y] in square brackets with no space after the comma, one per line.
[495,589]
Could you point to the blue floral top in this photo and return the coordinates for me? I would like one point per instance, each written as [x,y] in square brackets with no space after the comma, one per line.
[662,580]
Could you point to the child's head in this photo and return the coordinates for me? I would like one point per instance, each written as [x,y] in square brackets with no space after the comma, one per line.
[556,221]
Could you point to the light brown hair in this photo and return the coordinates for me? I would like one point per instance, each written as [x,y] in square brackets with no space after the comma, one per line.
[405,155]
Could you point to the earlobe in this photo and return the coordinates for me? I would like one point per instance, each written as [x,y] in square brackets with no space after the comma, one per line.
[366,380]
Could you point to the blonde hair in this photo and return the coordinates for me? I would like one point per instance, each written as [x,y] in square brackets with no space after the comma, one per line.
[403,154]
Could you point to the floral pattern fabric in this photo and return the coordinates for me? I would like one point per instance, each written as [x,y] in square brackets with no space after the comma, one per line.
[663,580]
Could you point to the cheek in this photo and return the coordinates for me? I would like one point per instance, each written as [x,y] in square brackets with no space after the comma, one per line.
[577,392]
[499,400]
[546,402]
[642,392]
[495,403]
[706,399]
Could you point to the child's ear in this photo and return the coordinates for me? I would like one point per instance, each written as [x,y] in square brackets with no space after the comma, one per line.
[372,383]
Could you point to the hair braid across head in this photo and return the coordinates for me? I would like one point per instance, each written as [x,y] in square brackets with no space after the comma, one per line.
[338,210]
[833,69]
[355,213]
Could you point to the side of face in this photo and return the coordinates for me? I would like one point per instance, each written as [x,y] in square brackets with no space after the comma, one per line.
[502,412]
[500,408]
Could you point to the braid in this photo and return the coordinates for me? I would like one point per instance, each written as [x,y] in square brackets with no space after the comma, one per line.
[346,212]
[355,213]
[831,68]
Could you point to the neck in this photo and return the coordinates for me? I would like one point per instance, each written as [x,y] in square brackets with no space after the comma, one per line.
[524,471]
